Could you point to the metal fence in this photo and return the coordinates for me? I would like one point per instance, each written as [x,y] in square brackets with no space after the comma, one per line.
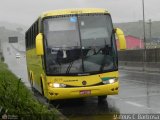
[152,55]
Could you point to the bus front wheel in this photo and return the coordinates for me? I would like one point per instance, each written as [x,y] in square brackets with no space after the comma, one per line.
[102,98]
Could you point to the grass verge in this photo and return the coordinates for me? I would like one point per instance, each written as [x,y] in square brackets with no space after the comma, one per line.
[17,102]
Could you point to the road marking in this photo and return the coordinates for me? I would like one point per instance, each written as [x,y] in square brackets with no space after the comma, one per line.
[134,104]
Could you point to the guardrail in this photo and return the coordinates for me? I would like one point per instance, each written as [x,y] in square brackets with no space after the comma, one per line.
[18,47]
[133,59]
[152,55]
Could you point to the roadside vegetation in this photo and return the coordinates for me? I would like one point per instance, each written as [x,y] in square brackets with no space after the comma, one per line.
[18,101]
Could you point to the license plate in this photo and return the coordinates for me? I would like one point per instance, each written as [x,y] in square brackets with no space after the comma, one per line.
[85,92]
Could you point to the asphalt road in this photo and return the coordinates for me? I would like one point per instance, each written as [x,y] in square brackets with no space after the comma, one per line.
[16,65]
[139,93]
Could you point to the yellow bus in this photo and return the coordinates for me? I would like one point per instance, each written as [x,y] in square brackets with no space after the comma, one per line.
[72,53]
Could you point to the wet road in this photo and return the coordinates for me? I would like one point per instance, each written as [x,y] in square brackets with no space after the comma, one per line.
[16,65]
[139,93]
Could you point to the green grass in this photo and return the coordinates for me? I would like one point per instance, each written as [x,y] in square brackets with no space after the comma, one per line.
[16,99]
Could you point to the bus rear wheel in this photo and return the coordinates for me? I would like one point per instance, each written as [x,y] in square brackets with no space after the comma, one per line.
[31,82]
[42,90]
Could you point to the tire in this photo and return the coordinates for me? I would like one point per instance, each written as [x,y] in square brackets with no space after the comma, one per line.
[102,98]
[31,83]
[30,79]
[42,90]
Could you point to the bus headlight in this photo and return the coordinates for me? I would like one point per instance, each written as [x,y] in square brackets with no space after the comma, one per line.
[56,85]
[110,81]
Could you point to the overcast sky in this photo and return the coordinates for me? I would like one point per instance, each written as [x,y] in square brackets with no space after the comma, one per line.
[26,11]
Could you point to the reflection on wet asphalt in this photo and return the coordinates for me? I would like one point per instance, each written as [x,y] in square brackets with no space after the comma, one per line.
[86,108]
[139,93]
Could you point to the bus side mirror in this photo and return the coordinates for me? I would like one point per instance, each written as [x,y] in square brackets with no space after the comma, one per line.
[39,44]
[121,39]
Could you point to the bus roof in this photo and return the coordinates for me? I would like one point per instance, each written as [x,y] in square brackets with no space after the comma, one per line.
[73,11]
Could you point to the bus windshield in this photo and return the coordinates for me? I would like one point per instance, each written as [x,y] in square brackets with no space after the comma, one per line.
[79,44]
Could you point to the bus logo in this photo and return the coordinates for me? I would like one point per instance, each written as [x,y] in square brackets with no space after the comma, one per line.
[84,83]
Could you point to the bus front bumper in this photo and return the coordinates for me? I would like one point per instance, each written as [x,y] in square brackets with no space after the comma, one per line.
[78,92]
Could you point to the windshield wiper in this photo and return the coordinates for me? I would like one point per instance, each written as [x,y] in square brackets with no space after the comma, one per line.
[74,58]
[104,57]
[69,67]
[106,51]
